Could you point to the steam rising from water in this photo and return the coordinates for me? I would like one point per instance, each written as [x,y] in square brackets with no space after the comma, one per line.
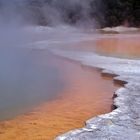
[50,12]
[20,76]
[17,15]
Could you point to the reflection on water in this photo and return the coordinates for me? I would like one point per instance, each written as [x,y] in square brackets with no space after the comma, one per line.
[119,46]
[123,46]
[26,79]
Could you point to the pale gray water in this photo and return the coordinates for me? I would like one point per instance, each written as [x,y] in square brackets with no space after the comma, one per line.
[26,80]
[28,76]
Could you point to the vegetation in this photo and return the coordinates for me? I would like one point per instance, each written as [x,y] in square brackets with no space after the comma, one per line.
[126,12]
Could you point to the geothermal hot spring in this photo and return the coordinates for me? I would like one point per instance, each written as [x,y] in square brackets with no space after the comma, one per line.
[43,95]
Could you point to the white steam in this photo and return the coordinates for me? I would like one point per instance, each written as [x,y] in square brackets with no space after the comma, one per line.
[48,12]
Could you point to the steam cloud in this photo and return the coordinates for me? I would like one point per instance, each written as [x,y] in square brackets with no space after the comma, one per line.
[49,12]
[15,14]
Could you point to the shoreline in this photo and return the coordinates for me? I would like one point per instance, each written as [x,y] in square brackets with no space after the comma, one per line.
[122,123]
[75,103]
